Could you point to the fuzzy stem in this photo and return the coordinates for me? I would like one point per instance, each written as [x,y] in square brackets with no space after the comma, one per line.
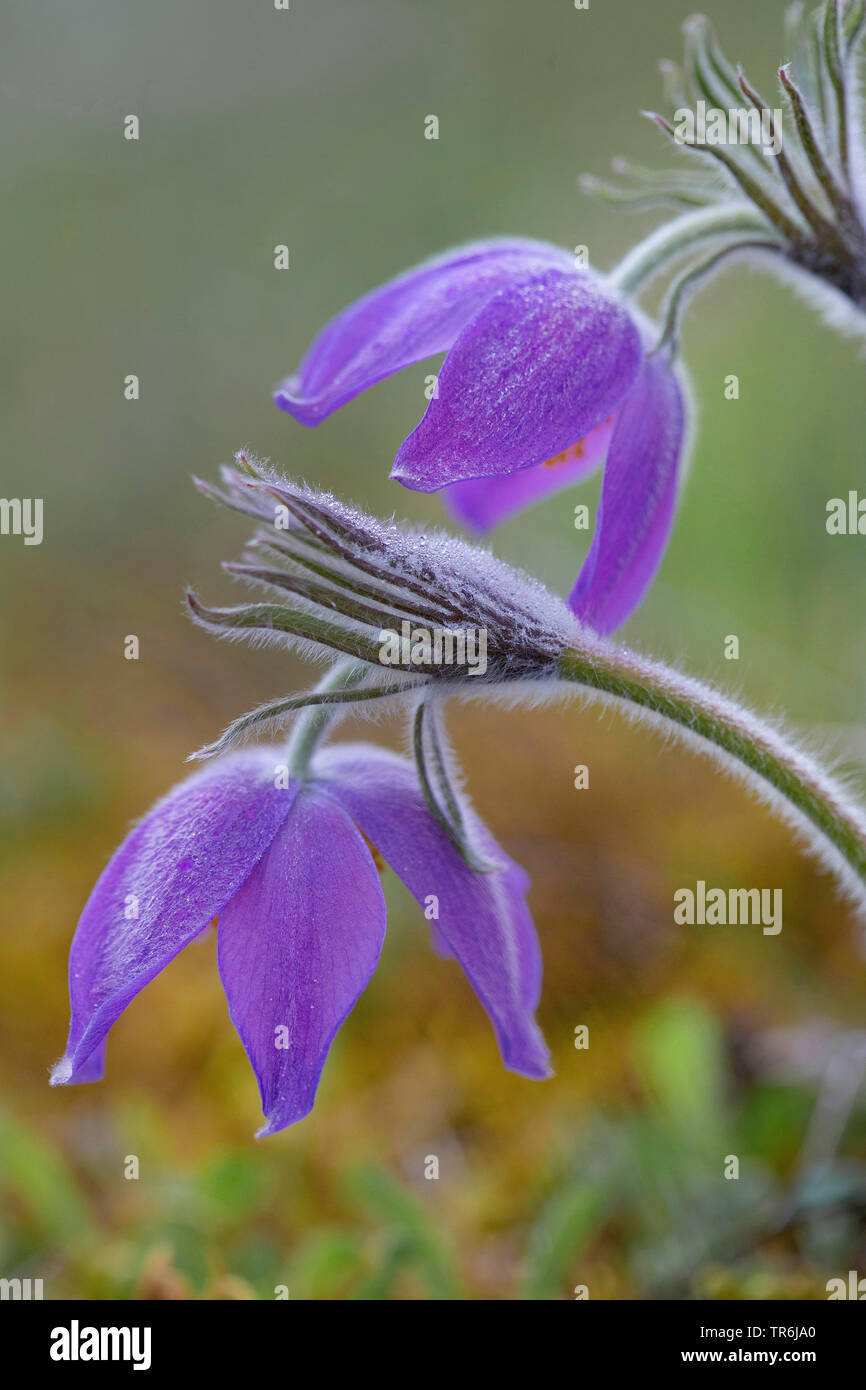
[686,283]
[311,725]
[751,748]
[674,239]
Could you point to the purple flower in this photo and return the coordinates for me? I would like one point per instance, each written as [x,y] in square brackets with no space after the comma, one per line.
[288,870]
[544,375]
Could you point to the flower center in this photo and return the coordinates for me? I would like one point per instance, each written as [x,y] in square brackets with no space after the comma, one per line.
[575,451]
[578,450]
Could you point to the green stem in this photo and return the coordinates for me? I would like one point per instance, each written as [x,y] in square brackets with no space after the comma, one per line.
[674,239]
[751,748]
[425,740]
[683,286]
[312,723]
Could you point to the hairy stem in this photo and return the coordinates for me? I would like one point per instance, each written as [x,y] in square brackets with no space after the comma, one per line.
[686,283]
[676,238]
[751,748]
[341,680]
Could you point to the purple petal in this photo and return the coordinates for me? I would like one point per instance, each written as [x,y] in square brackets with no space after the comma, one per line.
[638,499]
[297,944]
[410,318]
[483,918]
[546,360]
[482,503]
[171,876]
[92,1069]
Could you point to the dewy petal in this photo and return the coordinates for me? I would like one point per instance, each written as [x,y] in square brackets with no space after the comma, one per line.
[482,503]
[297,945]
[483,918]
[171,876]
[638,499]
[410,318]
[546,360]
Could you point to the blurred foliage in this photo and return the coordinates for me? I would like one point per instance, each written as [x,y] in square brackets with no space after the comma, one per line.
[157,258]
[634,1203]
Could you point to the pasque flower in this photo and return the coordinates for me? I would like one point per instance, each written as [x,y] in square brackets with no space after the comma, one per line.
[367,571]
[545,374]
[546,371]
[280,847]
[287,866]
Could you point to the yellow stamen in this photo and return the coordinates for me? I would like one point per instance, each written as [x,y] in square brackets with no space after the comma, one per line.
[576,451]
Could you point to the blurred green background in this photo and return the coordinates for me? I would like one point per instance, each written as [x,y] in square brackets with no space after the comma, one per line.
[156,258]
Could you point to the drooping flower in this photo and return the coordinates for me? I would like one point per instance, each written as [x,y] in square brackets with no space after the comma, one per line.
[544,375]
[366,570]
[286,867]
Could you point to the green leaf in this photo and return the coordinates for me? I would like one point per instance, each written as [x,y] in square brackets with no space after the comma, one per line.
[414,1236]
[33,1172]
[679,1051]
[235,1185]
[563,1230]
[323,1263]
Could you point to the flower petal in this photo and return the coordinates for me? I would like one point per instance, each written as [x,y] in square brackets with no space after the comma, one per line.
[546,360]
[483,918]
[171,876]
[92,1069]
[638,499]
[410,318]
[297,945]
[482,503]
